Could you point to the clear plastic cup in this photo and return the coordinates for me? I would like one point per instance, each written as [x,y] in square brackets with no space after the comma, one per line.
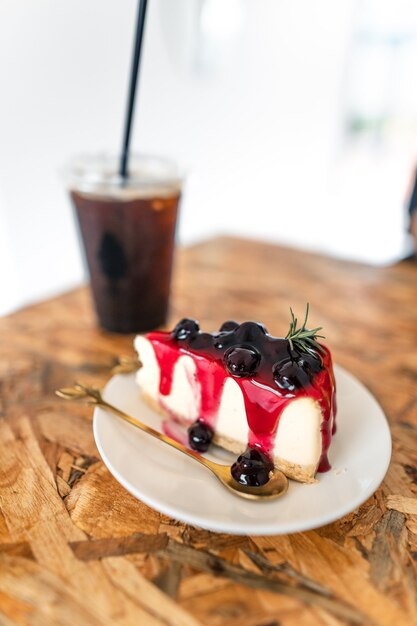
[128,230]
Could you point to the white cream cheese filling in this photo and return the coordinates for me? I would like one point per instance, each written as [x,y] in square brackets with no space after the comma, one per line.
[298,438]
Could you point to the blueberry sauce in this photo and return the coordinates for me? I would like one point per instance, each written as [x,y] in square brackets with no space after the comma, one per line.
[269,373]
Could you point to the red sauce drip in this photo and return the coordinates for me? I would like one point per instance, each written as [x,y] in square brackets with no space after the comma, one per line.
[173,430]
[264,400]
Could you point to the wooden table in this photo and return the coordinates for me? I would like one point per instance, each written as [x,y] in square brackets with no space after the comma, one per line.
[76,548]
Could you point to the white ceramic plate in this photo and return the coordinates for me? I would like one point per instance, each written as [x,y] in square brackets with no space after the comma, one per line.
[168,481]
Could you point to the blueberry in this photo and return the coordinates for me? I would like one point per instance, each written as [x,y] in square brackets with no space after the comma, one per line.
[241,361]
[310,362]
[185,328]
[201,341]
[252,468]
[200,436]
[218,342]
[289,375]
[228,326]
[251,331]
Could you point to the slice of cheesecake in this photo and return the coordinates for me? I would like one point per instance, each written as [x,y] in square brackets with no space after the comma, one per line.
[262,397]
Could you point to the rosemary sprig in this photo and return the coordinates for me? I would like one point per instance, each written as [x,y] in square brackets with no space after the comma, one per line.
[303,338]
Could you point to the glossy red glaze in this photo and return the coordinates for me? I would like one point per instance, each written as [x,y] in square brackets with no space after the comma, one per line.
[264,400]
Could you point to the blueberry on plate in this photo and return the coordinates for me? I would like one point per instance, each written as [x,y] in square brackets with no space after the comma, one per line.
[200,436]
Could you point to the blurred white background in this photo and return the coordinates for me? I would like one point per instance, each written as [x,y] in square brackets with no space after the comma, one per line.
[296,121]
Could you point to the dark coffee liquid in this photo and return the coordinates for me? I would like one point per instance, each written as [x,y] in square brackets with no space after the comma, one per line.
[129,247]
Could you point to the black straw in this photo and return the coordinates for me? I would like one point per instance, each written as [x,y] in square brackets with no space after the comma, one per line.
[134,79]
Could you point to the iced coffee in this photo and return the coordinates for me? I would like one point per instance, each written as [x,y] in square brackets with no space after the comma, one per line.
[128,230]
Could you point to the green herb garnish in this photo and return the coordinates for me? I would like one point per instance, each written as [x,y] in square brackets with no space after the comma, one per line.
[304,339]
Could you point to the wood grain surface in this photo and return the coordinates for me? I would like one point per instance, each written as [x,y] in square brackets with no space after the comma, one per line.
[76,548]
